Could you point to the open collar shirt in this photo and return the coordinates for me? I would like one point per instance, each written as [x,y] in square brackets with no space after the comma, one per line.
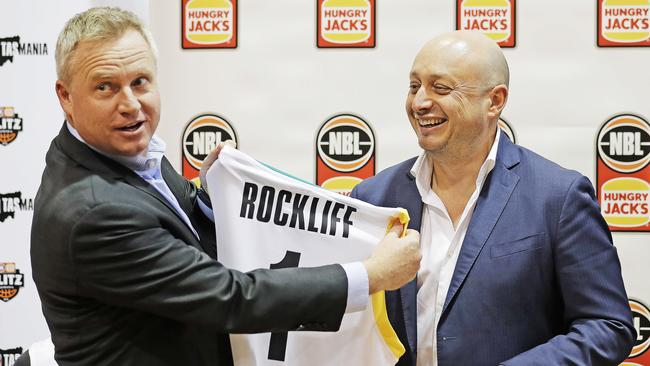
[440,245]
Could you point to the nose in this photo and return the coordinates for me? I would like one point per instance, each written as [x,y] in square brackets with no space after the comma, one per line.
[421,101]
[129,105]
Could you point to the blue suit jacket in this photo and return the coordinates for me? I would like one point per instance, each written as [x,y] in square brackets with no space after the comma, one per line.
[537,282]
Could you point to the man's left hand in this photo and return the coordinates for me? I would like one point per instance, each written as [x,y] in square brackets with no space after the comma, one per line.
[210,159]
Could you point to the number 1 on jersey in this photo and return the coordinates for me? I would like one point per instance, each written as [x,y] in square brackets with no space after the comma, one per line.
[278,344]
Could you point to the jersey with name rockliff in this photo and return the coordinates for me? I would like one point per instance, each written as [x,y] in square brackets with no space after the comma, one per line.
[265,219]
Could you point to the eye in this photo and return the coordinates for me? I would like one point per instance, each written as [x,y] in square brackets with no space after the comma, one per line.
[103,87]
[413,87]
[139,81]
[441,88]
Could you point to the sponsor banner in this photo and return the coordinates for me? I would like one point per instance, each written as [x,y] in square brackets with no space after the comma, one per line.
[345,23]
[209,24]
[494,18]
[623,23]
[201,135]
[507,129]
[10,125]
[12,48]
[10,203]
[345,153]
[623,173]
[641,318]
[11,280]
[9,356]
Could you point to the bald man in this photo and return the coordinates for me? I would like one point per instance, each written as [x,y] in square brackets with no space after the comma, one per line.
[518,265]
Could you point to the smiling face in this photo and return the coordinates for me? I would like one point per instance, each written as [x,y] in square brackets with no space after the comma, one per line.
[112,97]
[451,101]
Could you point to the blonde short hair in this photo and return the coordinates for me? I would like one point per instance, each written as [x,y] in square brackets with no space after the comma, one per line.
[96,24]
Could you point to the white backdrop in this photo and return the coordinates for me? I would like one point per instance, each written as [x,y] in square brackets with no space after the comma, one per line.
[276,88]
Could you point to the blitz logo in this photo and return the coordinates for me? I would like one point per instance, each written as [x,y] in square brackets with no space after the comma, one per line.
[10,125]
[11,280]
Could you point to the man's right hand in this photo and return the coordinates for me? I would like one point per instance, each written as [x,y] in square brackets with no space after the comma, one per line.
[395,261]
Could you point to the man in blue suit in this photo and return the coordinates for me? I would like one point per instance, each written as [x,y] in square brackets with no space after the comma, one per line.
[518,265]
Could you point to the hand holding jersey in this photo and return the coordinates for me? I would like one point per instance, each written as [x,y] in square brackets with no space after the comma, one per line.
[394,261]
[310,227]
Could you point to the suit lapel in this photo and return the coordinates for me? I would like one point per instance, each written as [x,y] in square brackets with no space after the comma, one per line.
[408,197]
[493,198]
[94,161]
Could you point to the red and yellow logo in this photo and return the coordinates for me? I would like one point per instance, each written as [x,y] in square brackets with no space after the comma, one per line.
[641,319]
[625,202]
[624,23]
[345,23]
[209,23]
[623,173]
[345,153]
[10,125]
[11,280]
[201,135]
[494,18]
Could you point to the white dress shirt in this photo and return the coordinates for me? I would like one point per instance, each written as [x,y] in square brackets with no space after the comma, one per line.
[148,167]
[440,245]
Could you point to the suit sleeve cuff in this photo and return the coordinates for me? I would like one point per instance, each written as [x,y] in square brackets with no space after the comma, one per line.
[357,286]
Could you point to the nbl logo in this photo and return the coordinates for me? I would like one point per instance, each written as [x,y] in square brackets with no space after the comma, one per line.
[345,143]
[623,173]
[624,143]
[201,135]
[345,147]
[641,319]
[11,280]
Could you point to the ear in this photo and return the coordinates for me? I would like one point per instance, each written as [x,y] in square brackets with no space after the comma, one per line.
[498,99]
[64,99]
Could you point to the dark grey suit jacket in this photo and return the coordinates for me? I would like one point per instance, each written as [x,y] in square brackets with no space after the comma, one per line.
[123,280]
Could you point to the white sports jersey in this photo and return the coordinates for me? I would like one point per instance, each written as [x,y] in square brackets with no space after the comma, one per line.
[265,215]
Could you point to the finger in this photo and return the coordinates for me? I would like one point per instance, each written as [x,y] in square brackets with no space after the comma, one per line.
[231,143]
[397,227]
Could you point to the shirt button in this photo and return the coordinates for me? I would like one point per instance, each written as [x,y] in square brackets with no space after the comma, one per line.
[151,163]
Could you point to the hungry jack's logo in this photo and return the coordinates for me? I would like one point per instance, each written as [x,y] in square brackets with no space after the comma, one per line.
[623,173]
[623,23]
[209,23]
[11,280]
[641,320]
[10,125]
[201,135]
[494,18]
[345,23]
[345,153]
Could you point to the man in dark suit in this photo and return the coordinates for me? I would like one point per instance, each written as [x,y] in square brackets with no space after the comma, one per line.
[518,266]
[123,252]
